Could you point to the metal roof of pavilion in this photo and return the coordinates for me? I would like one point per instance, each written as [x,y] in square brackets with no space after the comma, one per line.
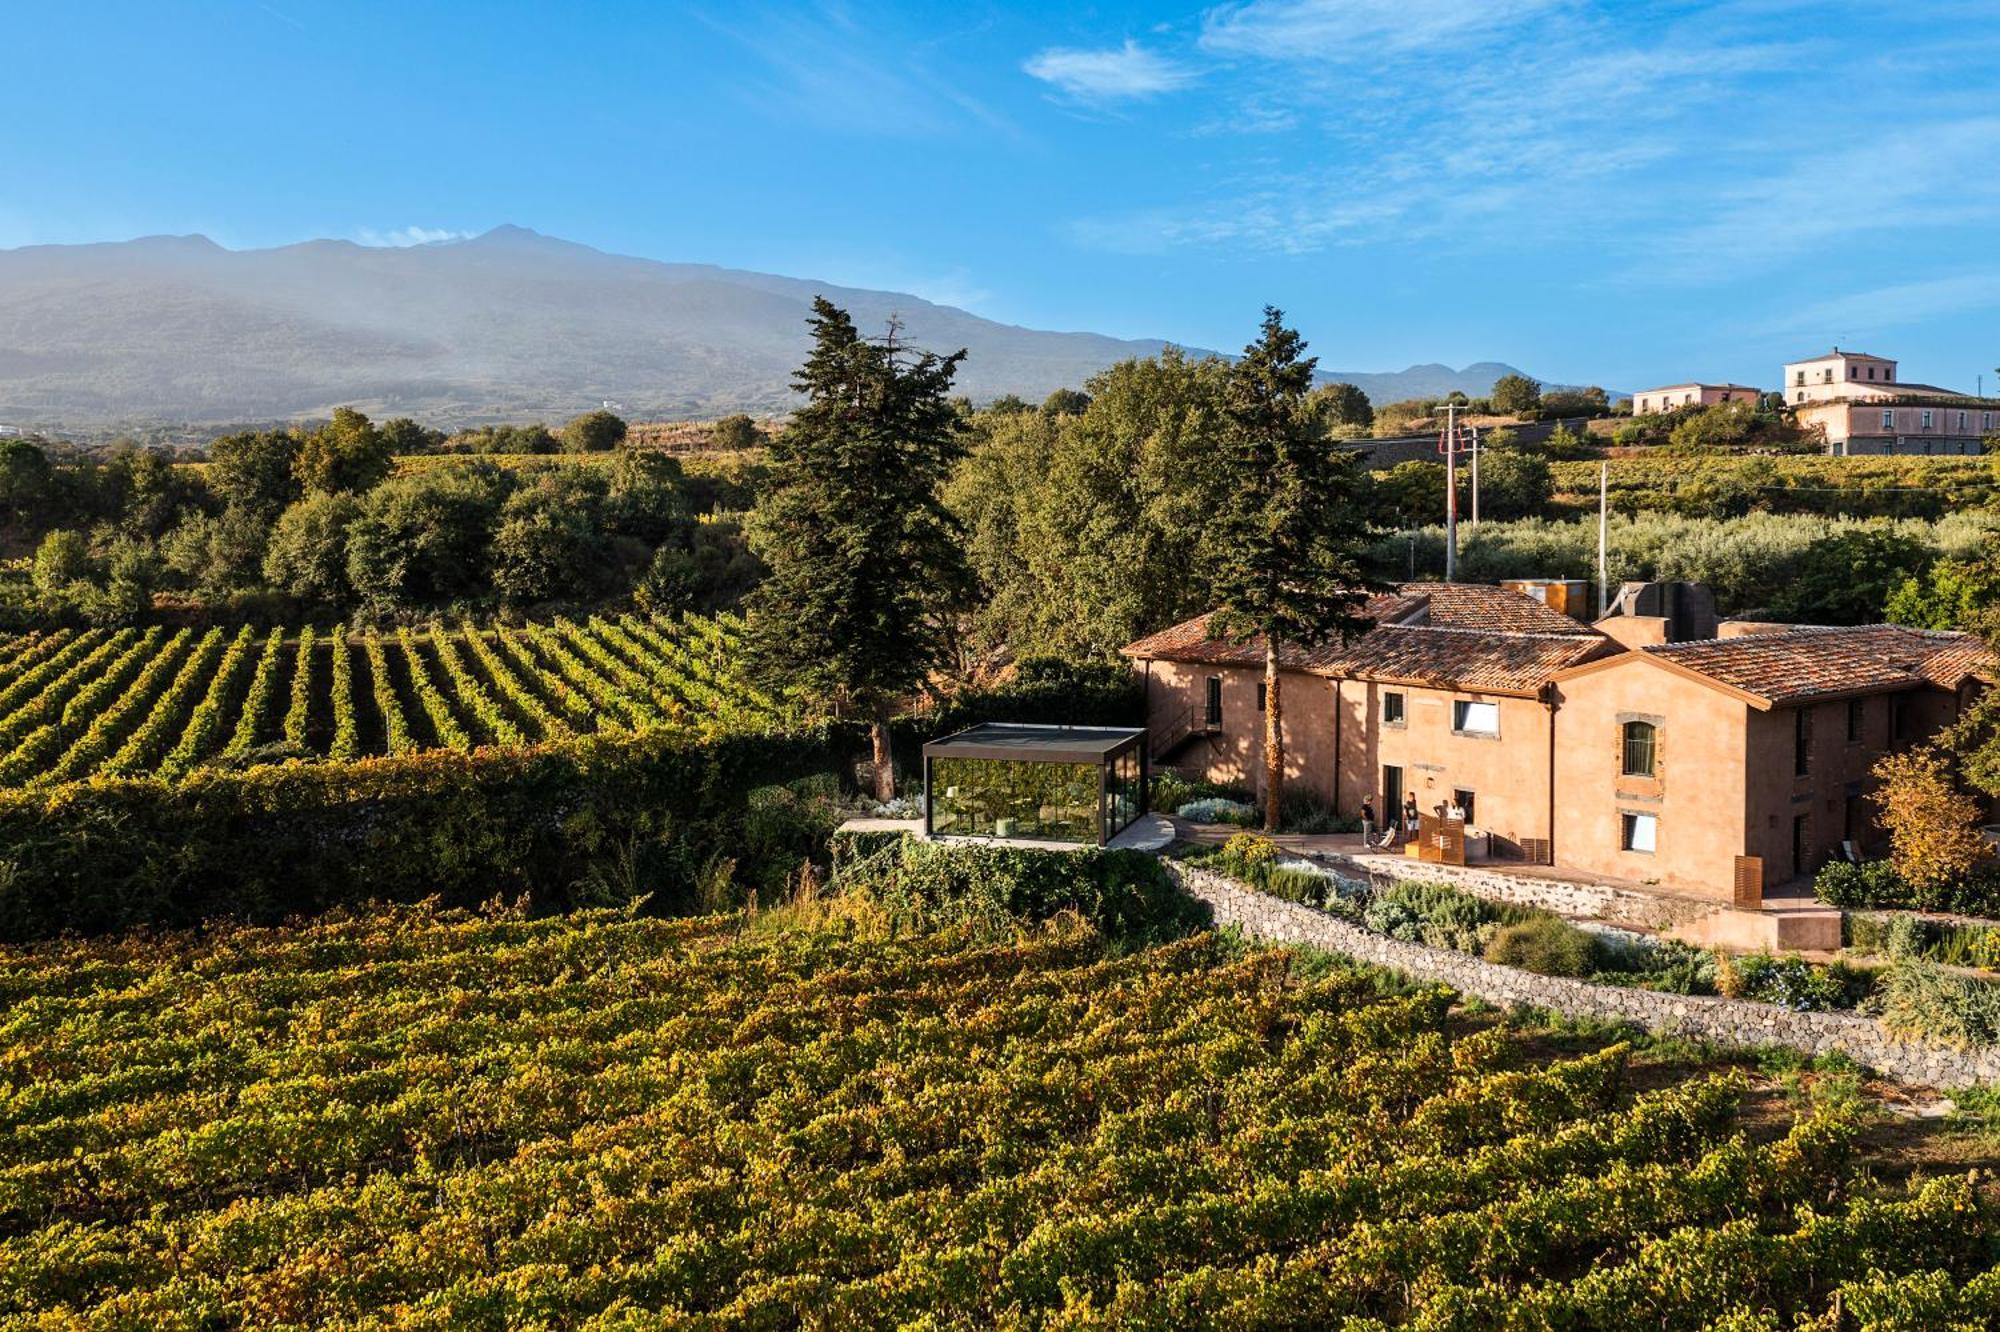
[1035,744]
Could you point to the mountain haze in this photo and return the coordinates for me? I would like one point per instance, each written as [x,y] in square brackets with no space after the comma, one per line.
[510,325]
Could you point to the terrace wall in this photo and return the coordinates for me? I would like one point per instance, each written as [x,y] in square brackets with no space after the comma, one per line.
[1733,1022]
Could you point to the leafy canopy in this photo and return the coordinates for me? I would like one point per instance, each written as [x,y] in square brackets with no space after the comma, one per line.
[1294,524]
[865,561]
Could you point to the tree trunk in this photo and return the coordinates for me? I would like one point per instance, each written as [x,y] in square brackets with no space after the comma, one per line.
[885,759]
[1274,737]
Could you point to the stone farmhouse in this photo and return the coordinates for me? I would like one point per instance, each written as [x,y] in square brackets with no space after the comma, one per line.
[1674,397]
[1659,748]
[1859,405]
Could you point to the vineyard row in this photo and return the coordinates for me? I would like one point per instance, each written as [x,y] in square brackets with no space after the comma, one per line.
[158,701]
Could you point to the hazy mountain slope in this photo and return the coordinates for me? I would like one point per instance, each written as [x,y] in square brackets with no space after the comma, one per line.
[510,324]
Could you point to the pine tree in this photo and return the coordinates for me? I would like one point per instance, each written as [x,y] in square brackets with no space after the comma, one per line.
[866,564]
[1295,526]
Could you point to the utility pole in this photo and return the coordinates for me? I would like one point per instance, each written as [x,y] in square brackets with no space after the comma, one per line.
[1449,444]
[1603,561]
[1473,431]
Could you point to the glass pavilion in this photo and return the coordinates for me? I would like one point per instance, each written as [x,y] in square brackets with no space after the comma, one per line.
[1077,784]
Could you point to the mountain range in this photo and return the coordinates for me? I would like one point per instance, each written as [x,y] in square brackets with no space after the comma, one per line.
[508,325]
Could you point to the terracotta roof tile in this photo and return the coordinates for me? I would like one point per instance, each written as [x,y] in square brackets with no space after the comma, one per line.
[1437,655]
[1483,606]
[1811,661]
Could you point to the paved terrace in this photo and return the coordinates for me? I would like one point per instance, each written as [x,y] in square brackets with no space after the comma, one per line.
[1791,918]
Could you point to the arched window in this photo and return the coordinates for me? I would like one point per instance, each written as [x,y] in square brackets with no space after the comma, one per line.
[1639,745]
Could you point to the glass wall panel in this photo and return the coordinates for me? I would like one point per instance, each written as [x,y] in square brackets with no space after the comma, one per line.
[1011,798]
[1123,793]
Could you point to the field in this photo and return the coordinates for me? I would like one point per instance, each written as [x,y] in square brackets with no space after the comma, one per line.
[452,1121]
[136,702]
[1907,486]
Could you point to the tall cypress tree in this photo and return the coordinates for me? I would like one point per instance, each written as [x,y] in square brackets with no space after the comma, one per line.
[1295,526]
[866,564]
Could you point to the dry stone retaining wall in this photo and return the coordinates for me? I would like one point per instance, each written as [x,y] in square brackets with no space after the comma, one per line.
[1565,897]
[1737,1022]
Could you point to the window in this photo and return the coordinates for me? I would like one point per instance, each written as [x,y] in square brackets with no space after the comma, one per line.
[1638,832]
[1899,721]
[1887,373]
[1392,709]
[1213,713]
[1986,420]
[1260,695]
[1961,422]
[1888,420]
[1463,799]
[1639,738]
[1801,379]
[1853,372]
[1871,372]
[1855,713]
[1801,741]
[1927,418]
[1471,718]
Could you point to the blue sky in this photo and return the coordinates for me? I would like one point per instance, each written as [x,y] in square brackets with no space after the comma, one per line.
[1623,193]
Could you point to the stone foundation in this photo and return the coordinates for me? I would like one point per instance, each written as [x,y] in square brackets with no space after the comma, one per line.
[1732,1022]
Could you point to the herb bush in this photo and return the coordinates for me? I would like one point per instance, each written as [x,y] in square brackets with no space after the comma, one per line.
[1921,999]
[1545,945]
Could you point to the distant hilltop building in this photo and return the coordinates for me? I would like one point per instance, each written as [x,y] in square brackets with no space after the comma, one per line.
[1861,406]
[1674,397]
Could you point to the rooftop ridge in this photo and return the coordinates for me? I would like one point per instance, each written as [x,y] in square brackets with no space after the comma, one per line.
[1583,632]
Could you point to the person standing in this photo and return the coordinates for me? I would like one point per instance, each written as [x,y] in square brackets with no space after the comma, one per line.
[1412,821]
[1368,822]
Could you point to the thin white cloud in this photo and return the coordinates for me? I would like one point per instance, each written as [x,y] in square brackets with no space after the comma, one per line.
[1912,178]
[1354,29]
[1860,313]
[1113,74]
[402,237]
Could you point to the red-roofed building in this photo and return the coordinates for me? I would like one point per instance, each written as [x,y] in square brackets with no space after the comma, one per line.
[1621,755]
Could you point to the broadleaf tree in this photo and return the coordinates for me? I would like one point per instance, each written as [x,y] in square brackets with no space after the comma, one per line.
[866,565]
[1295,526]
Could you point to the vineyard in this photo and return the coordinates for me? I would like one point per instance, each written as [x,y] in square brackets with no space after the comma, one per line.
[136,702]
[451,1121]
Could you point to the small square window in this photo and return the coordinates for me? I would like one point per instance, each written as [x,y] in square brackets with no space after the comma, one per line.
[1392,709]
[1473,718]
[1638,832]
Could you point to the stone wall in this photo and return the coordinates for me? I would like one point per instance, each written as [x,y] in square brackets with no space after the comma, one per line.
[1735,1022]
[1565,897]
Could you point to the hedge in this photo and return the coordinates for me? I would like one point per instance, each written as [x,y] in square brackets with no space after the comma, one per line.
[602,819]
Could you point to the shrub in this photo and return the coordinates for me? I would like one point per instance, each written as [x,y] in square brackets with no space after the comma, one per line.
[1793,982]
[1303,812]
[1545,945]
[1170,790]
[1874,883]
[1215,809]
[1250,851]
[1920,999]
[1124,893]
